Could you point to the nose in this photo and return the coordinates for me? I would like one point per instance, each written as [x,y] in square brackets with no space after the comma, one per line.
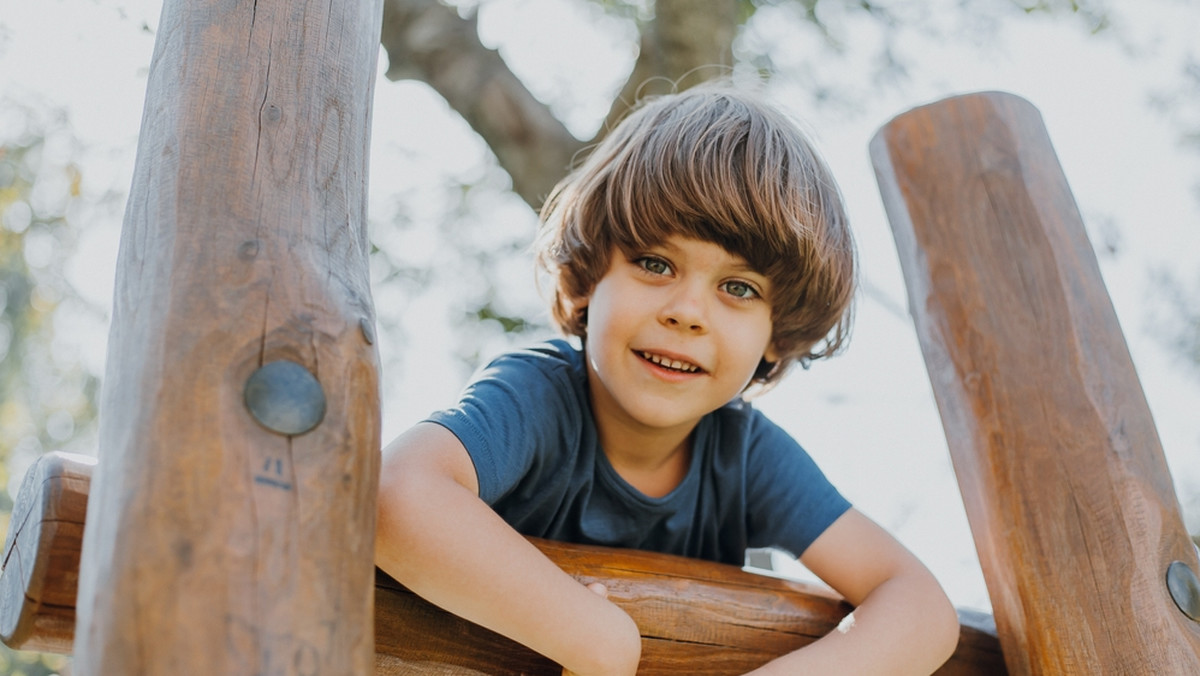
[685,308]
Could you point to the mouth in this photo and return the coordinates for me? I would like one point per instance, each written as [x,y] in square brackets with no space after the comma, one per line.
[669,364]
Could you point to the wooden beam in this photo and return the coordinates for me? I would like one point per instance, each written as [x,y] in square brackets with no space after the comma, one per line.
[1069,498]
[221,540]
[696,617]
[40,578]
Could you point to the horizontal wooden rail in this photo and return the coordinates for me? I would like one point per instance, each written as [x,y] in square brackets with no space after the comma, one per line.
[696,617]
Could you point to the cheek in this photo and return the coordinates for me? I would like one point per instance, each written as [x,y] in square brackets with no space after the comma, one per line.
[604,307]
[757,343]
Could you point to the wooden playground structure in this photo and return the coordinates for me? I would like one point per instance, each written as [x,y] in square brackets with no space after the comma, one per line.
[230,517]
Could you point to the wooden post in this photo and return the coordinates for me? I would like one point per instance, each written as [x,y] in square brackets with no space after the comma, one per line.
[1069,498]
[696,617]
[222,541]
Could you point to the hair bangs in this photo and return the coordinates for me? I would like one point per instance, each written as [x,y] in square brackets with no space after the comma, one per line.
[710,173]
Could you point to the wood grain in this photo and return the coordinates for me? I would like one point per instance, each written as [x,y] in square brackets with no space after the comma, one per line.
[41,554]
[696,617]
[1069,498]
[216,546]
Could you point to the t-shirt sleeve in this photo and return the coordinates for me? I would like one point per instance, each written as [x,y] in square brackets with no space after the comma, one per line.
[512,413]
[790,502]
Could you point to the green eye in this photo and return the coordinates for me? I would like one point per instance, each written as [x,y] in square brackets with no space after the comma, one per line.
[740,289]
[654,265]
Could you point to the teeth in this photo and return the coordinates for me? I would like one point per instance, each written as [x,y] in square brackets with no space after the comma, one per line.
[671,363]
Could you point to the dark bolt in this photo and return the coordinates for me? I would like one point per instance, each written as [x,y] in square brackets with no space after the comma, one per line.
[285,398]
[1184,588]
[368,331]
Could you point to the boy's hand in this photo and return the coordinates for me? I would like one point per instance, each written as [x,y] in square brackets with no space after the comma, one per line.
[599,589]
[902,623]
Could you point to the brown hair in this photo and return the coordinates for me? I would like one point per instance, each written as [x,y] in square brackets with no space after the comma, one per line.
[716,164]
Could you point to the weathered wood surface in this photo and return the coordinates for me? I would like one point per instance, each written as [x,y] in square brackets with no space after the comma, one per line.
[41,554]
[216,546]
[1069,498]
[696,617]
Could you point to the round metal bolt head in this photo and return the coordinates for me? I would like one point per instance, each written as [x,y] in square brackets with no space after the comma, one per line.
[285,398]
[1184,588]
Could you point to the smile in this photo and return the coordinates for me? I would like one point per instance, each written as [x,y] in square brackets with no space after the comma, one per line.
[672,364]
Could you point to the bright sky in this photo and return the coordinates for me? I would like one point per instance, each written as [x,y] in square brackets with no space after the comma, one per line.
[867,417]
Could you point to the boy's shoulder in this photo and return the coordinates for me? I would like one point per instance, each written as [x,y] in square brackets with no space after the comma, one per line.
[549,366]
[742,415]
[550,355]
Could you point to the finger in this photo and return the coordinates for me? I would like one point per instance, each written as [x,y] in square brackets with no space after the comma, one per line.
[599,589]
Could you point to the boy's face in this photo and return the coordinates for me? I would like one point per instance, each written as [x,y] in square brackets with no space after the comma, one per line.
[673,333]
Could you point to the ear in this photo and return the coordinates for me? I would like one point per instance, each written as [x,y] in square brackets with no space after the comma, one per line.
[771,354]
[577,311]
[764,369]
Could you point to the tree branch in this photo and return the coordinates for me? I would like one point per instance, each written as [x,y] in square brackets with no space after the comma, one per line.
[687,42]
[428,41]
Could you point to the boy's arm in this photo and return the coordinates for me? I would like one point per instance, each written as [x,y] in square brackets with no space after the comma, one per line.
[435,536]
[902,623]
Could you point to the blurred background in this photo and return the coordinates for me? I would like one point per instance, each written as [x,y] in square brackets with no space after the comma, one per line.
[453,197]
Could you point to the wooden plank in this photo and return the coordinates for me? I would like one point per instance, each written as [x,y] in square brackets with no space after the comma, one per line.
[696,617]
[1069,498]
[41,554]
[215,543]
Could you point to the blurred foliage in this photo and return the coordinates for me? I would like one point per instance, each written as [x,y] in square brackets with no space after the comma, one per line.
[47,398]
[816,30]
[1181,105]
[31,664]
[457,242]
[1178,317]
[1178,305]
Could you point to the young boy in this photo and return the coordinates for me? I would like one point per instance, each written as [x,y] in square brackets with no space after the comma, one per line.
[701,249]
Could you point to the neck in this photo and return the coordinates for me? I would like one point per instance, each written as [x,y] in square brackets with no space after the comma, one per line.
[654,462]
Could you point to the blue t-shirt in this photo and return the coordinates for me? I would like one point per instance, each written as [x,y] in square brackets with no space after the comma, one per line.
[526,422]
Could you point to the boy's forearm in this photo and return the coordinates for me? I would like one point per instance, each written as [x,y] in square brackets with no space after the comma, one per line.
[906,626]
[446,545]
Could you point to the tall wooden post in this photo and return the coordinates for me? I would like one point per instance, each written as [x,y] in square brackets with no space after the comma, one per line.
[1070,501]
[231,525]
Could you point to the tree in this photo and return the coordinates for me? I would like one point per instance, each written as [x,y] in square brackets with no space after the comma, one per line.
[679,44]
[432,42]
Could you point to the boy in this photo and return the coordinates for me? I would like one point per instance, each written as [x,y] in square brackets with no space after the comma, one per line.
[701,249]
